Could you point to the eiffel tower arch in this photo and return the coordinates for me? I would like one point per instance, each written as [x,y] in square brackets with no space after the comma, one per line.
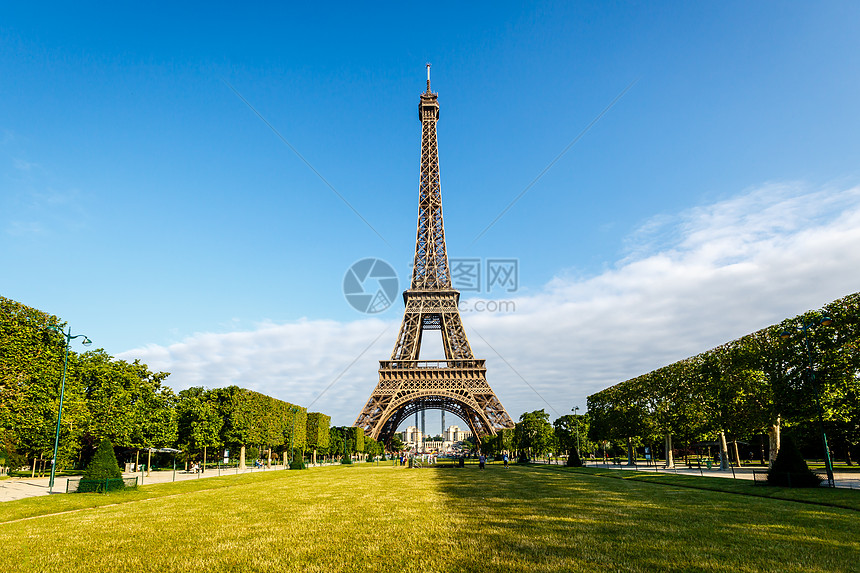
[456,383]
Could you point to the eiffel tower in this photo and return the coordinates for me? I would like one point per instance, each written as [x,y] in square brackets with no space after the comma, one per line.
[457,383]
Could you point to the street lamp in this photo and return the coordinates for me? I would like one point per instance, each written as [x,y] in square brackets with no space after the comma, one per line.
[295,412]
[86,342]
[576,419]
[823,321]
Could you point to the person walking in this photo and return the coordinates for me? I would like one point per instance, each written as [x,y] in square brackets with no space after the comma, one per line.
[505,458]
[481,461]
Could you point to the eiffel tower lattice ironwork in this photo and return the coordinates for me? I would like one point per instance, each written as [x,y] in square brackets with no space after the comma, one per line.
[457,383]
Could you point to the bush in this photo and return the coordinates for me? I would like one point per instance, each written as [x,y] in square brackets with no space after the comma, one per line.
[789,468]
[298,462]
[573,460]
[104,464]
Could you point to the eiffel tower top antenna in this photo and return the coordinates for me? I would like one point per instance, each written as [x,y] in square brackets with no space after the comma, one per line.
[430,269]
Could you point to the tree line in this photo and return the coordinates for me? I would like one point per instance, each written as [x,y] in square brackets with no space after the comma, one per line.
[534,437]
[780,378]
[131,406]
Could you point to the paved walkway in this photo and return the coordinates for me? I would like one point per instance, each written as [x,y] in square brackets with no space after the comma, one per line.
[19,488]
[841,479]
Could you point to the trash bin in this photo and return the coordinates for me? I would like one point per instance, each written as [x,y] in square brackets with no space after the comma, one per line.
[461,462]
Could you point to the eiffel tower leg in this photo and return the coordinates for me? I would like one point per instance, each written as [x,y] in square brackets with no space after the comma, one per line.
[454,339]
[408,342]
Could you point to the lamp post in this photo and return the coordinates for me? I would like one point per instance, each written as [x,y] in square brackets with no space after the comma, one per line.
[293,433]
[810,373]
[86,342]
[576,419]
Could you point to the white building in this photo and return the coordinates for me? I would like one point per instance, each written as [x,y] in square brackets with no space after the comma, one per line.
[414,439]
[454,434]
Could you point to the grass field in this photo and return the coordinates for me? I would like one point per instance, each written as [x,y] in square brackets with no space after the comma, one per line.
[367,518]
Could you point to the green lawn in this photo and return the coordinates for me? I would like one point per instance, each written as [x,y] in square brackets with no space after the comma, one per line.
[364,518]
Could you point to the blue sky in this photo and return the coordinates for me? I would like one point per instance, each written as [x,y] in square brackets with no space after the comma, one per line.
[142,201]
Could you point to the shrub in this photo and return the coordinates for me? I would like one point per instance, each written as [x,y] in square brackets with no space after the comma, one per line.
[789,468]
[573,459]
[104,464]
[298,462]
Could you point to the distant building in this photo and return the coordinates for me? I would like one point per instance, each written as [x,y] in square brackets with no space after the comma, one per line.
[415,440]
[454,434]
[437,447]
[412,437]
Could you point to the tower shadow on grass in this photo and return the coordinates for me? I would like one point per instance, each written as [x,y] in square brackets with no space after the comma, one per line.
[532,519]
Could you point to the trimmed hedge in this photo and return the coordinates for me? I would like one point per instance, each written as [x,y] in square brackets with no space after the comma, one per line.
[318,431]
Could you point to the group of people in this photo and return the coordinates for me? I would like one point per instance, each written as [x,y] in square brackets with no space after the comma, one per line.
[430,458]
[482,460]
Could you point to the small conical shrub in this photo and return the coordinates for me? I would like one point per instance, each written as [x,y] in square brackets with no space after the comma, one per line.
[298,462]
[789,468]
[573,460]
[104,464]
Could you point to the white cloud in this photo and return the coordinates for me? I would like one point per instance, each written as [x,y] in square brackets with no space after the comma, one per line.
[718,272]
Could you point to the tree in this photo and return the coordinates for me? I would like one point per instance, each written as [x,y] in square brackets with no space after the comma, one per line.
[372,448]
[31,366]
[565,428]
[199,424]
[354,439]
[619,414]
[335,441]
[571,433]
[534,433]
[318,432]
[396,444]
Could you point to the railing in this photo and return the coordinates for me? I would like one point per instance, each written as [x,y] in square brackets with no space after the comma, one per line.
[787,479]
[85,485]
[409,364]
